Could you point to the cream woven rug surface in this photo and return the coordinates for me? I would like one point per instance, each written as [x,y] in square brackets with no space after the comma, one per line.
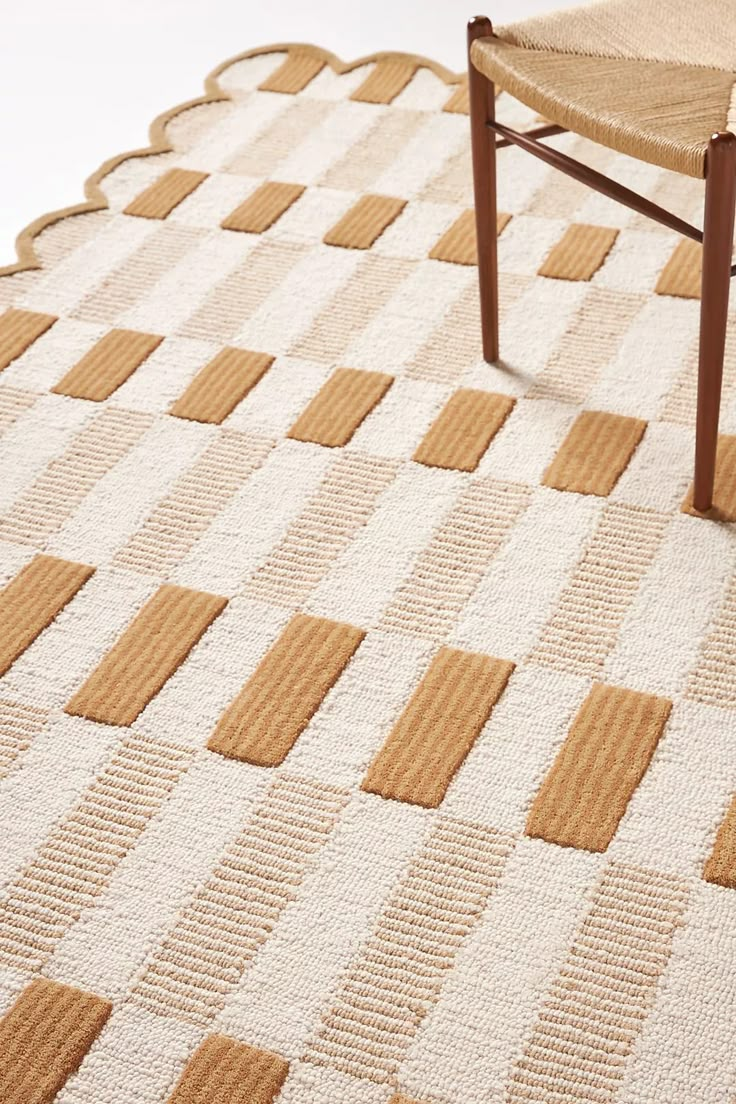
[367,713]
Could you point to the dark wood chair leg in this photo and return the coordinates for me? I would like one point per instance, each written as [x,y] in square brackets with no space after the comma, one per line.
[720,202]
[482,110]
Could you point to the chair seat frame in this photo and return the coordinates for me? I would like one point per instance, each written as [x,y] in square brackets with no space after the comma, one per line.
[488,136]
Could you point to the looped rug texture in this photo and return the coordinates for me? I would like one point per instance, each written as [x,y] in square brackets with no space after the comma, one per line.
[367,712]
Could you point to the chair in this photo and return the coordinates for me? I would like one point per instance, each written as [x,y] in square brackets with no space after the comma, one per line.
[654,80]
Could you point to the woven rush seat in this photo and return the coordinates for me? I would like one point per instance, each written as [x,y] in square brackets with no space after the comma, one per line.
[650,79]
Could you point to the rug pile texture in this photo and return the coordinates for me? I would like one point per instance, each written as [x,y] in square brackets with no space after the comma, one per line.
[367,712]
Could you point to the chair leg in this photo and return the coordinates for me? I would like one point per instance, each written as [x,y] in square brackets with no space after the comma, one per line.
[482,110]
[720,201]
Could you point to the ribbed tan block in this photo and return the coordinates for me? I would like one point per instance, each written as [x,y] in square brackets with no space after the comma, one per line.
[445,574]
[463,429]
[724,488]
[19,726]
[365,222]
[18,330]
[589,1019]
[31,601]
[332,517]
[285,691]
[262,156]
[14,401]
[682,274]
[295,72]
[338,408]
[396,976]
[218,934]
[166,193]
[713,678]
[373,151]
[458,102]
[452,183]
[193,502]
[458,245]
[155,643]
[585,622]
[595,453]
[43,1039]
[591,339]
[107,365]
[132,280]
[453,344]
[383,84]
[602,761]
[353,307]
[75,862]
[223,1070]
[68,478]
[218,388]
[439,726]
[579,253]
[721,865]
[263,207]
[221,315]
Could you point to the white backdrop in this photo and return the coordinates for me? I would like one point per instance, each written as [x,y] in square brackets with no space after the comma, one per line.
[80,80]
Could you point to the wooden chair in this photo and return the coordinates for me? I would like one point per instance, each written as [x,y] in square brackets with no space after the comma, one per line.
[653,79]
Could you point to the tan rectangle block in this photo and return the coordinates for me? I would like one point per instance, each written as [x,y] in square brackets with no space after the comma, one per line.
[579,253]
[600,764]
[463,430]
[295,72]
[215,938]
[185,513]
[585,622]
[446,573]
[107,365]
[18,330]
[595,453]
[395,976]
[166,193]
[439,726]
[458,245]
[75,862]
[682,274]
[287,688]
[334,514]
[353,307]
[591,339]
[19,726]
[364,222]
[44,1037]
[222,1069]
[724,488]
[713,679]
[31,601]
[263,207]
[373,151]
[155,643]
[458,102]
[383,84]
[720,869]
[590,1017]
[338,408]
[218,387]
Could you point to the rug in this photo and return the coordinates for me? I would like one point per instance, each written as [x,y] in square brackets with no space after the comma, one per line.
[367,712]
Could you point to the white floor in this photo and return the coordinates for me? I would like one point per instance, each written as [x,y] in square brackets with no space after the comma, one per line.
[81,79]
